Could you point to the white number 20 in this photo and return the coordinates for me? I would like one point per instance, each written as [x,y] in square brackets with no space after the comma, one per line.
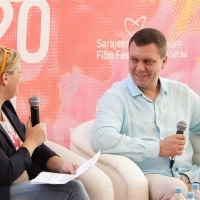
[22,27]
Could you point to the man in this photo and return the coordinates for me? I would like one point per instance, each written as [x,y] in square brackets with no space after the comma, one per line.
[138,116]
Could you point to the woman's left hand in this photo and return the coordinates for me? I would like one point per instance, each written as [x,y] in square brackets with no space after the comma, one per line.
[56,164]
[68,168]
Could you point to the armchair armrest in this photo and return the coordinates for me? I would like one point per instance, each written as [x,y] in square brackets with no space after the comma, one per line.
[127,178]
[98,185]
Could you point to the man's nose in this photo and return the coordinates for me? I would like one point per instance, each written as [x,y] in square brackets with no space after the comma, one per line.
[140,66]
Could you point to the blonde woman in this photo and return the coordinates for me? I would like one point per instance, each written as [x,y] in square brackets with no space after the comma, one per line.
[18,146]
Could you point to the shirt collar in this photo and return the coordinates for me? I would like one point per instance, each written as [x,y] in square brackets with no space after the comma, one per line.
[133,88]
[135,91]
[163,88]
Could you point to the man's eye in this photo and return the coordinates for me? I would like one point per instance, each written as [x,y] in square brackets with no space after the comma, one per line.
[149,62]
[134,60]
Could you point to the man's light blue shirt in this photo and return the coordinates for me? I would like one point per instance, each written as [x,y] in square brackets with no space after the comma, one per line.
[130,124]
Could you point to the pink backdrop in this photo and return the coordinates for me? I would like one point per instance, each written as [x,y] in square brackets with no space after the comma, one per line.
[72,51]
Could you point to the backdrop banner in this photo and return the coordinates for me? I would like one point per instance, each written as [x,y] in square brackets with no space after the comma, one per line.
[72,51]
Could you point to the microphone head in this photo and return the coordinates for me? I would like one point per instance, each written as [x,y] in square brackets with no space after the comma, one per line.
[181,126]
[34,101]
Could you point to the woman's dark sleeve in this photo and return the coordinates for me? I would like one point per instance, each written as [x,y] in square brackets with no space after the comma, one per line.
[41,155]
[13,166]
[13,163]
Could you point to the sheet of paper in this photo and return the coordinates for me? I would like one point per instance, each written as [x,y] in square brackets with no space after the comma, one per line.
[57,178]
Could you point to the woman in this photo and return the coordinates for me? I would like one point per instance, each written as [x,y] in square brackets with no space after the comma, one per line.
[18,146]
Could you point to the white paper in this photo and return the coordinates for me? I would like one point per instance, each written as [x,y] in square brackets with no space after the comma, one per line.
[57,178]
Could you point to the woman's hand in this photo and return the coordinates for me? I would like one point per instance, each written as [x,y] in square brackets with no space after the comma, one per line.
[56,164]
[35,136]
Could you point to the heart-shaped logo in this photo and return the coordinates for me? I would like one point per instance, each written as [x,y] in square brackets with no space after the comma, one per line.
[132,26]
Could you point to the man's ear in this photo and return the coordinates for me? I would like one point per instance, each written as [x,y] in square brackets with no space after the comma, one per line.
[164,62]
[4,78]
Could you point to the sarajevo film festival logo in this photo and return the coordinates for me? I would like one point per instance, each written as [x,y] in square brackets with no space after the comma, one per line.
[132,26]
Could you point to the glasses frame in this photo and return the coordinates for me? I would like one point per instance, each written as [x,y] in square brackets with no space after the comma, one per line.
[4,59]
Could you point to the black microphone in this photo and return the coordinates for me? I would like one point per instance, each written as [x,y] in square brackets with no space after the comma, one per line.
[34,102]
[181,127]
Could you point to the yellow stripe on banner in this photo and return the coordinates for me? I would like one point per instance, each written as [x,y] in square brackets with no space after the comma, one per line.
[198,60]
[183,20]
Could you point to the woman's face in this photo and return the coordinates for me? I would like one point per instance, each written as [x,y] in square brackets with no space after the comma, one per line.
[13,81]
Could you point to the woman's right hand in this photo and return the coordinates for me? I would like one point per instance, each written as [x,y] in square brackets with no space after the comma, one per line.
[35,136]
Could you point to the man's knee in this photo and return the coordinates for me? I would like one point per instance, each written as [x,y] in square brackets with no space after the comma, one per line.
[162,187]
[178,183]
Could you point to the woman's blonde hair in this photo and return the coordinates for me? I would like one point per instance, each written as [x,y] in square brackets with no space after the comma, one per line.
[12,60]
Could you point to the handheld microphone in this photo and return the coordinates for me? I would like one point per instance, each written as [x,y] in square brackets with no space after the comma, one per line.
[34,102]
[181,127]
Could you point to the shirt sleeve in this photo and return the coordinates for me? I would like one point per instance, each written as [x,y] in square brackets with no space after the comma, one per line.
[107,135]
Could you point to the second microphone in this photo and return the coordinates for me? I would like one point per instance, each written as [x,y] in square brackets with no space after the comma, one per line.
[34,105]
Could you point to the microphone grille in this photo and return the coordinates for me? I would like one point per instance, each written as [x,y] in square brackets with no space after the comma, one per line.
[34,101]
[181,126]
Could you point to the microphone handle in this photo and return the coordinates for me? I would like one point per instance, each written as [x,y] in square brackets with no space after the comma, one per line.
[173,158]
[179,132]
[35,118]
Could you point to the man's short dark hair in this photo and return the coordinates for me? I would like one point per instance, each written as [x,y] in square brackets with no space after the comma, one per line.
[147,36]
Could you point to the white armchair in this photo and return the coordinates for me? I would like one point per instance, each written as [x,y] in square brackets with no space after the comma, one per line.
[195,139]
[128,180]
[97,184]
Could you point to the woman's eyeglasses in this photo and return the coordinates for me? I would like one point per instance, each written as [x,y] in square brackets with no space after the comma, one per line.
[4,59]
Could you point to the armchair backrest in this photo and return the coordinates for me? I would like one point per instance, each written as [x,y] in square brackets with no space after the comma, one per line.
[195,140]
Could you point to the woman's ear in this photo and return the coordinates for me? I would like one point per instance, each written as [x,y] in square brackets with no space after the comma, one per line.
[4,78]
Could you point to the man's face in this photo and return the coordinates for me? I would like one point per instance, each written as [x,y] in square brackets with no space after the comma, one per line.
[145,64]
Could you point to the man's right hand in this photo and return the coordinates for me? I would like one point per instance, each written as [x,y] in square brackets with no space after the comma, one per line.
[172,145]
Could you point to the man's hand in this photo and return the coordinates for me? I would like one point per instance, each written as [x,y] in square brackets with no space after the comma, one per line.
[172,145]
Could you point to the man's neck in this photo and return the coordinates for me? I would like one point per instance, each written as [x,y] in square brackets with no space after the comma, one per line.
[151,93]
